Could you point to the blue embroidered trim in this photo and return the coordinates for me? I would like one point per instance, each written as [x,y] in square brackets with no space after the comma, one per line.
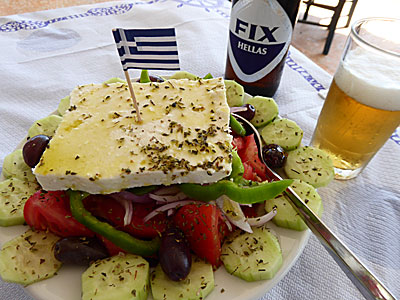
[93,12]
[396,136]
[208,5]
[304,73]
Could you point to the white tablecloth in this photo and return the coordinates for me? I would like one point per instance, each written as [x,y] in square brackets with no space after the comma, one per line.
[44,55]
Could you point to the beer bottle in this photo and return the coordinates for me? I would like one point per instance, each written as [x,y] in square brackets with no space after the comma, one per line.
[260,33]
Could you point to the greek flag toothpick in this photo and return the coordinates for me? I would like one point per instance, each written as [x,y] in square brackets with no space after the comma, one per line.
[146,49]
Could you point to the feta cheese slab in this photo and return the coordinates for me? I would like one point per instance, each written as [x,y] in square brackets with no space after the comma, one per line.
[100,148]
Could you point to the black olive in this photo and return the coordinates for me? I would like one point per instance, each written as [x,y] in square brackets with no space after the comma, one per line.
[174,254]
[79,250]
[274,156]
[156,78]
[34,148]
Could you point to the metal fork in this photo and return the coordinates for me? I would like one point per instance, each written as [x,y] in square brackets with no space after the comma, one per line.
[369,286]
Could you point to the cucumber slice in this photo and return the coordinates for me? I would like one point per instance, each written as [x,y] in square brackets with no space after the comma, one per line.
[184,75]
[114,80]
[15,166]
[13,195]
[63,105]
[283,132]
[117,277]
[197,285]
[266,110]
[311,165]
[286,215]
[29,258]
[252,256]
[234,93]
[46,126]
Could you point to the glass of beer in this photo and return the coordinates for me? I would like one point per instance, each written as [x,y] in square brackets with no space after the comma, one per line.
[362,108]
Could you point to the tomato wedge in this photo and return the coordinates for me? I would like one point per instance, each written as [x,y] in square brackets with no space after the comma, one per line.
[238,143]
[50,210]
[200,224]
[249,155]
[249,173]
[111,210]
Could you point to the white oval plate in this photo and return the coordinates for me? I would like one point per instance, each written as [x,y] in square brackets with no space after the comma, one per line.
[66,285]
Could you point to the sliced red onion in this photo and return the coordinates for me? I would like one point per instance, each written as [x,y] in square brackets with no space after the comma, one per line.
[236,109]
[128,214]
[222,216]
[259,221]
[125,195]
[237,218]
[126,199]
[168,206]
[168,198]
[228,224]
[127,204]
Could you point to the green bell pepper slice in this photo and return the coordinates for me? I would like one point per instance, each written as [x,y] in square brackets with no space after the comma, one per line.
[121,239]
[236,126]
[250,194]
[237,168]
[144,76]
[142,190]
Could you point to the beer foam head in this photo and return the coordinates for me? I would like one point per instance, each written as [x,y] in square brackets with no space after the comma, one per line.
[370,78]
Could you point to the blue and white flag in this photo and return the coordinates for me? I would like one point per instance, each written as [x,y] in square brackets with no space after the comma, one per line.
[147,48]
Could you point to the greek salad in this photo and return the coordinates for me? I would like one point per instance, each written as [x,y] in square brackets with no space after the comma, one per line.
[161,240]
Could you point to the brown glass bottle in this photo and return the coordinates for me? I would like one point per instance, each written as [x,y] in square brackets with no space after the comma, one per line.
[243,32]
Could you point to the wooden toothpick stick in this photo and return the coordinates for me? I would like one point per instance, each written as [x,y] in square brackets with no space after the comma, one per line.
[128,79]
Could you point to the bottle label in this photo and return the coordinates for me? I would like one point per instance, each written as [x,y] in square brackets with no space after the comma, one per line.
[260,32]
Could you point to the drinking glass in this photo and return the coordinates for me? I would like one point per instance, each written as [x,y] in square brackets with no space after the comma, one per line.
[362,108]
